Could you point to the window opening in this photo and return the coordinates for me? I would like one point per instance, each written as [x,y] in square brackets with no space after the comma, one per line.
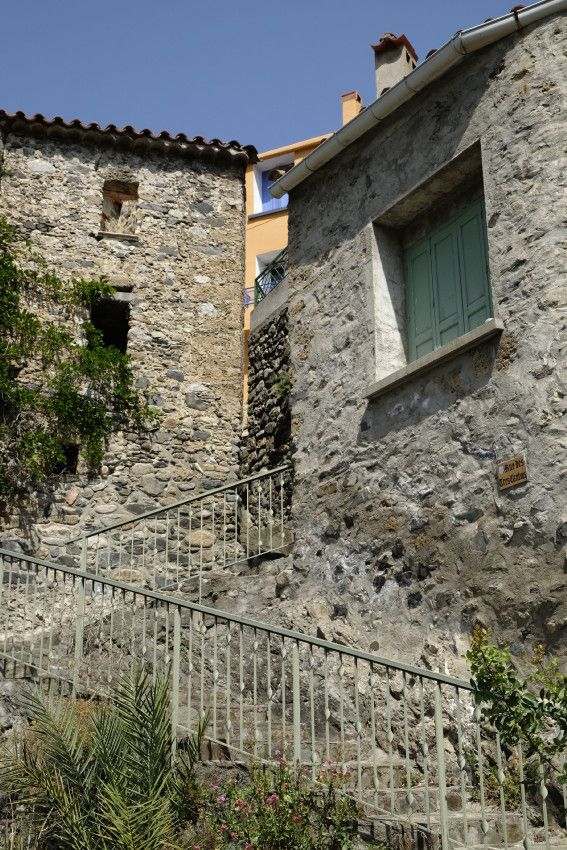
[112,318]
[119,203]
[68,466]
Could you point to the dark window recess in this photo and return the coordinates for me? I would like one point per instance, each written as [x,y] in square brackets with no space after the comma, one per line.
[69,465]
[112,318]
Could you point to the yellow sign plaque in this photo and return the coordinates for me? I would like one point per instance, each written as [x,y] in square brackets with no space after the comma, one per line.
[512,472]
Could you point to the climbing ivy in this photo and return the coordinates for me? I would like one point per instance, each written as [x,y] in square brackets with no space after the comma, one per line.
[59,384]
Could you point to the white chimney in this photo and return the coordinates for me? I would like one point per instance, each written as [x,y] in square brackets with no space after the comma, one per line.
[394,59]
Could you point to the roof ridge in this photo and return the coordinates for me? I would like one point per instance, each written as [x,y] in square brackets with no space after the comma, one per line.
[199,144]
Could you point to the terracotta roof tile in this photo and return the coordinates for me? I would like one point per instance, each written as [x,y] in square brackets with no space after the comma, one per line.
[127,136]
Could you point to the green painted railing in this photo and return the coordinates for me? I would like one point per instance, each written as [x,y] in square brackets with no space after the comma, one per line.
[411,744]
[172,547]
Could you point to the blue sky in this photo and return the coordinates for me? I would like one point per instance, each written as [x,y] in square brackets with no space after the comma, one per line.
[262,73]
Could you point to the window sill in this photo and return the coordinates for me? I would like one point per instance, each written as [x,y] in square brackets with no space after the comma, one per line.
[252,216]
[121,237]
[491,328]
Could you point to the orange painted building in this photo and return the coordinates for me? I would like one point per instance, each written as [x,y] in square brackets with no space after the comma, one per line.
[266,217]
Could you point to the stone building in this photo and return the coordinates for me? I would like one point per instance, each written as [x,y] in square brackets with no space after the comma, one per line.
[427,320]
[163,218]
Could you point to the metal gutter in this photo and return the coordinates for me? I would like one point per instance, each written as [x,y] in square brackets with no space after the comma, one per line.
[463,43]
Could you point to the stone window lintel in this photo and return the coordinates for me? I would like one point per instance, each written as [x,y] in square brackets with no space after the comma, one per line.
[491,328]
[122,237]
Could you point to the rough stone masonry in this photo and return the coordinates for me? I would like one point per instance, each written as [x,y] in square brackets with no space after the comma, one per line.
[163,218]
[396,508]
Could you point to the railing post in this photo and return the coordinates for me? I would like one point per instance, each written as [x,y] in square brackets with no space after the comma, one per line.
[79,633]
[296,703]
[441,776]
[84,551]
[175,673]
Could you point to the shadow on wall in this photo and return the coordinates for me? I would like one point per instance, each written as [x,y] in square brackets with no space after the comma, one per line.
[412,404]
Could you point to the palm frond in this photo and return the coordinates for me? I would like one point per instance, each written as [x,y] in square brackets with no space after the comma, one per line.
[114,783]
[148,825]
[108,745]
[143,708]
[184,787]
[59,738]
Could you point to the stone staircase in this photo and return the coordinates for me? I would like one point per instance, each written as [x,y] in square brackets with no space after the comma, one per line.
[400,734]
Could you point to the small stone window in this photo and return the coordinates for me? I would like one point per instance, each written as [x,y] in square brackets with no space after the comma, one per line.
[111,317]
[119,203]
[68,466]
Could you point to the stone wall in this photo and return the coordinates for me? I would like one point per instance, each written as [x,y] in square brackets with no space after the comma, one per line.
[267,438]
[397,513]
[180,267]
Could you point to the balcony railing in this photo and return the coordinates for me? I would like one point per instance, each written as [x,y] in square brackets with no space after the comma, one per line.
[249,296]
[271,277]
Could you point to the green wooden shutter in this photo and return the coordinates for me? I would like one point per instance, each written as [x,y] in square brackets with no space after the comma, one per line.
[447,283]
[475,285]
[419,297]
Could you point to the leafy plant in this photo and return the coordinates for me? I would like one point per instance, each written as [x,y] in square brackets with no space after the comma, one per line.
[491,785]
[283,386]
[59,384]
[531,712]
[106,776]
[278,809]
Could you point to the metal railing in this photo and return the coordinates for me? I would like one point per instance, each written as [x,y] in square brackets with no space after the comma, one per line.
[249,296]
[271,277]
[172,547]
[410,744]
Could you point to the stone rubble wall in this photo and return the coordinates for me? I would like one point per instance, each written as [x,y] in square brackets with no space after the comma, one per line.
[395,506]
[185,271]
[267,438]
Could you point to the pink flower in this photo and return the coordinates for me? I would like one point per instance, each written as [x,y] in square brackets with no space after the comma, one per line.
[272,800]
[224,827]
[234,835]
[221,799]
[296,818]
[248,846]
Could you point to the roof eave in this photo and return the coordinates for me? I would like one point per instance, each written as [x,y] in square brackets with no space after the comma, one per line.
[463,43]
[128,136]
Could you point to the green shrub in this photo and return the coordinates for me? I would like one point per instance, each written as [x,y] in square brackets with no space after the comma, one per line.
[531,712]
[95,777]
[279,809]
[283,386]
[510,786]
